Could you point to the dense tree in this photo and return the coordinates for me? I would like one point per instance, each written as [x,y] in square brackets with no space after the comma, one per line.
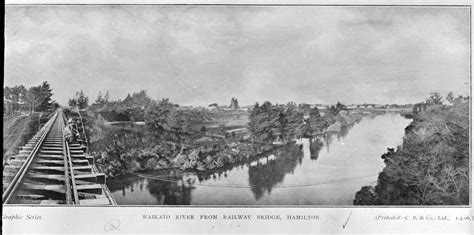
[434,99]
[138,100]
[45,97]
[268,122]
[180,126]
[432,165]
[450,97]
[340,107]
[72,102]
[36,98]
[127,99]
[365,196]
[158,115]
[262,123]
[15,98]
[234,104]
[316,123]
[132,108]
[291,120]
[82,100]
[106,97]
[99,100]
[333,110]
[304,107]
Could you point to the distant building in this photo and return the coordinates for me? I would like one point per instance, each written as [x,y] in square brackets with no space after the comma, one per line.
[344,112]
[213,106]
[321,107]
[365,106]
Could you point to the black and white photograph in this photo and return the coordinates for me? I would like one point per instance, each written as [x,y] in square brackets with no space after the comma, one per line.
[228,106]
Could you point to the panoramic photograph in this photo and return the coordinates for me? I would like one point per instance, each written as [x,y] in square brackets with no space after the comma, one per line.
[236,105]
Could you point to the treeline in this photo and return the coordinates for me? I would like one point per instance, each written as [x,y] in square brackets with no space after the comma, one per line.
[34,99]
[282,123]
[431,167]
[318,122]
[164,117]
[269,123]
[132,108]
[80,102]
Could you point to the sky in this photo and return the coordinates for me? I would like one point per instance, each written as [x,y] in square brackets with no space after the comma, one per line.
[197,55]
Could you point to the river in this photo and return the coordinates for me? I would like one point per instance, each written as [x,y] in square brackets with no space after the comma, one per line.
[327,170]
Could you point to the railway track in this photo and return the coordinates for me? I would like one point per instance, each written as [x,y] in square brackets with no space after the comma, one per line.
[48,170]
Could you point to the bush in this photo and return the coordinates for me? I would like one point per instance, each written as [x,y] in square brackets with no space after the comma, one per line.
[432,165]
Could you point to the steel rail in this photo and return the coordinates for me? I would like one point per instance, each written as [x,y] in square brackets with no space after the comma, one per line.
[83,128]
[73,179]
[69,170]
[66,162]
[17,180]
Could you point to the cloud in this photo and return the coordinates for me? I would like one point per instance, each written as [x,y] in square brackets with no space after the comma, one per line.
[202,54]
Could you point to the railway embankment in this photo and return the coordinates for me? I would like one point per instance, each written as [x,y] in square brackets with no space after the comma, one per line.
[17,130]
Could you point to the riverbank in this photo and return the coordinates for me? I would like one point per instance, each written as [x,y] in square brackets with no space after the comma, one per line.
[278,177]
[344,119]
[431,167]
[195,159]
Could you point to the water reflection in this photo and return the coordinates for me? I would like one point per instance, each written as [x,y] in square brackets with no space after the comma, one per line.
[168,193]
[174,187]
[315,145]
[263,177]
[125,183]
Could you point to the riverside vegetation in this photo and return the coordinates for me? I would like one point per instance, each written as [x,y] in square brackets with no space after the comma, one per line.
[144,134]
[431,167]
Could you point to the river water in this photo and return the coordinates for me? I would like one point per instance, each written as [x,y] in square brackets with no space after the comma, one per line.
[327,170]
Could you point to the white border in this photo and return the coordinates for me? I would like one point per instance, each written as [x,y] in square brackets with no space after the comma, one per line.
[94,220]
[246,2]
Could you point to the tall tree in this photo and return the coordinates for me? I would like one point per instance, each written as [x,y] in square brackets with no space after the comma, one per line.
[106,97]
[15,97]
[82,100]
[450,97]
[45,97]
[72,102]
[234,104]
[99,100]
[340,107]
[158,115]
[34,98]
[434,99]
